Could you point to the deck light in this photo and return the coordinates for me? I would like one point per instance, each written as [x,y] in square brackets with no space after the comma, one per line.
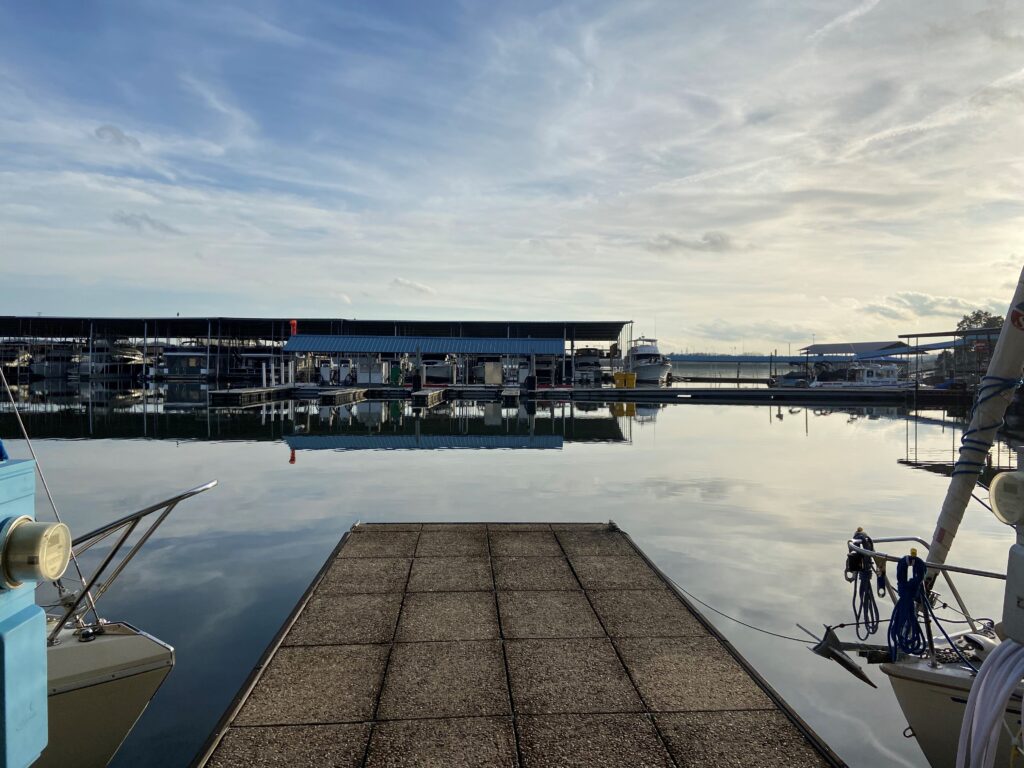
[33,551]
[1006,493]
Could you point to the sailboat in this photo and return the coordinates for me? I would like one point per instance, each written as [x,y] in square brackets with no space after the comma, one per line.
[934,665]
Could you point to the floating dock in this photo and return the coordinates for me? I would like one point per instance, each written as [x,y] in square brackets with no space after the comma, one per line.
[429,397]
[512,645]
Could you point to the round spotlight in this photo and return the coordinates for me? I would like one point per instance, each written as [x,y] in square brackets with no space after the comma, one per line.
[34,551]
[1006,493]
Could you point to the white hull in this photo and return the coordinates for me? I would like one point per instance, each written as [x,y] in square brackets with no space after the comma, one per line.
[97,691]
[439,373]
[863,385]
[651,372]
[934,700]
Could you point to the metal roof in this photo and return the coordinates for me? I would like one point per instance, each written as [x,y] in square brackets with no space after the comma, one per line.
[861,350]
[277,328]
[420,442]
[427,345]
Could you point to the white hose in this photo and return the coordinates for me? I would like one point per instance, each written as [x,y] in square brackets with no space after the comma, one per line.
[984,717]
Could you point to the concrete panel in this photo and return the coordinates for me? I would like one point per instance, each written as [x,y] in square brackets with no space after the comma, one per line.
[644,613]
[380,544]
[603,572]
[524,544]
[547,614]
[737,740]
[453,679]
[686,674]
[568,676]
[339,746]
[450,574]
[532,573]
[452,543]
[366,574]
[478,742]
[591,741]
[334,618]
[448,616]
[319,684]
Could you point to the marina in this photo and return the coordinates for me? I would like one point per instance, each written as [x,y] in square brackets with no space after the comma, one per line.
[503,644]
[330,453]
[495,385]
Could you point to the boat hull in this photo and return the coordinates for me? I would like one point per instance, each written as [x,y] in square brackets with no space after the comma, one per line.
[652,372]
[97,692]
[934,701]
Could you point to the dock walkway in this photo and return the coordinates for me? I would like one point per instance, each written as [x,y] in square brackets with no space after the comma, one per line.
[513,645]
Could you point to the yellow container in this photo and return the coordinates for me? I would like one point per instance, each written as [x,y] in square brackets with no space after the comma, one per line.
[620,379]
[629,380]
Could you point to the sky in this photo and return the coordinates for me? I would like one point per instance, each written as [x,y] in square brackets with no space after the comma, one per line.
[732,176]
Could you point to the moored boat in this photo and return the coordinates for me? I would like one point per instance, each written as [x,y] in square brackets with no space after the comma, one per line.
[645,360]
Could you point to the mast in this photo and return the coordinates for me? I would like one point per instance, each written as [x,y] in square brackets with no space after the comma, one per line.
[995,392]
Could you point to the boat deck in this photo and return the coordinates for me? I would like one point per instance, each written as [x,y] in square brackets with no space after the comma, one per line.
[509,645]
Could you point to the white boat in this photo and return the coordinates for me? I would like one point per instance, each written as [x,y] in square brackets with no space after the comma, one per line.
[105,359]
[439,371]
[864,375]
[55,363]
[934,667]
[645,360]
[101,675]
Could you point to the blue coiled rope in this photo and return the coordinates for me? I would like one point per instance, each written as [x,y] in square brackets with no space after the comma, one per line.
[991,386]
[905,633]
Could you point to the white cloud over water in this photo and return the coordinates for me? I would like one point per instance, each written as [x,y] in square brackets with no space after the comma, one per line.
[843,169]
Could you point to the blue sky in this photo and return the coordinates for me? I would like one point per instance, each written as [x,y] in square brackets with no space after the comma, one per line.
[725,173]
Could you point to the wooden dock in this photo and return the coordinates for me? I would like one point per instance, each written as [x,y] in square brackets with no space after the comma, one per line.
[345,396]
[241,397]
[511,645]
[428,398]
[510,397]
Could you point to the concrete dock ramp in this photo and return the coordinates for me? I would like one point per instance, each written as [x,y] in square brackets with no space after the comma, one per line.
[529,645]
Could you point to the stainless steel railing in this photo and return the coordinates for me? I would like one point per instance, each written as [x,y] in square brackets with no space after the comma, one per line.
[942,568]
[126,526]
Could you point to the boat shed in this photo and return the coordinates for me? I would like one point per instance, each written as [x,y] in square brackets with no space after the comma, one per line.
[426,345]
[860,350]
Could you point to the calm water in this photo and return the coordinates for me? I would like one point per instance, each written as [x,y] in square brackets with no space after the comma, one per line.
[747,507]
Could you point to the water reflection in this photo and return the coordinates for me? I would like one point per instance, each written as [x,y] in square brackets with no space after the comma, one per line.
[748,506]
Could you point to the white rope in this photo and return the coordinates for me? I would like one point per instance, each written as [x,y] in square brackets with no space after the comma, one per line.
[984,716]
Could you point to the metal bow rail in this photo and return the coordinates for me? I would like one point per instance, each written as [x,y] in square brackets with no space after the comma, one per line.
[126,526]
[942,568]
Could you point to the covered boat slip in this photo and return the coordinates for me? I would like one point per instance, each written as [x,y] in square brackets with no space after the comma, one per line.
[510,645]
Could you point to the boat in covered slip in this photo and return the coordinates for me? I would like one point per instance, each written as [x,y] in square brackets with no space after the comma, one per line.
[864,375]
[55,363]
[645,360]
[940,665]
[590,364]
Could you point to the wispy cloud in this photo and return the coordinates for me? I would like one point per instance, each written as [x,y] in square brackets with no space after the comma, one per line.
[845,19]
[709,242]
[111,134]
[914,304]
[412,285]
[143,222]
